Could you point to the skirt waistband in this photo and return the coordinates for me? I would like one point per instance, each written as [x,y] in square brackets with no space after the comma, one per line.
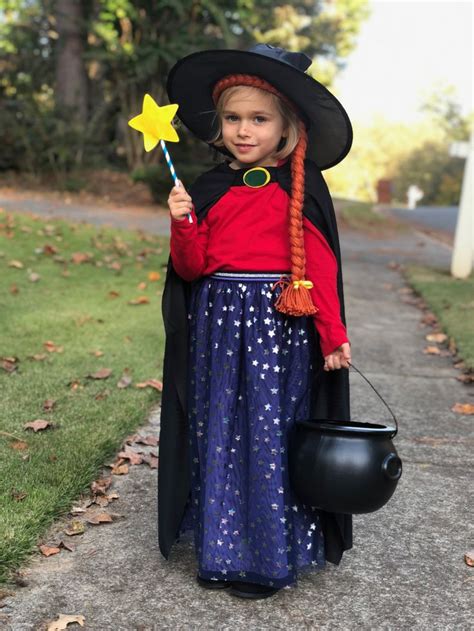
[248,276]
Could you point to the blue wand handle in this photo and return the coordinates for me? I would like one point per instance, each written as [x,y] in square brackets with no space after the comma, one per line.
[173,172]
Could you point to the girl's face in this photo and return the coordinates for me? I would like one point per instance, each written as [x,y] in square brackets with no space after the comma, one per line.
[252,127]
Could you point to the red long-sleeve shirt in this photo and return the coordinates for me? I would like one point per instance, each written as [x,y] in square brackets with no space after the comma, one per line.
[234,237]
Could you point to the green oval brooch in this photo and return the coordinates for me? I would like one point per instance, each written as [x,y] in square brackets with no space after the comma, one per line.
[256,177]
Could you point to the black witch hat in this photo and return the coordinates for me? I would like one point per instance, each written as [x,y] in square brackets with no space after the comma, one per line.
[191,81]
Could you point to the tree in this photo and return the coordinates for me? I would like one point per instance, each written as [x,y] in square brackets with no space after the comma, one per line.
[101,56]
[71,88]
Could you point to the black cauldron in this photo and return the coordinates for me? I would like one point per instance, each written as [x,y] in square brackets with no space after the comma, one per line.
[344,467]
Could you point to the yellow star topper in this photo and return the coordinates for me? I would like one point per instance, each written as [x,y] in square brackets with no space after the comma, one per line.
[155,123]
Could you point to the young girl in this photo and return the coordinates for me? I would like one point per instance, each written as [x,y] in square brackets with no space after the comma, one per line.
[254,318]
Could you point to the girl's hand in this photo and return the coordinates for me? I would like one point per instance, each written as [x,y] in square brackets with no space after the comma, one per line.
[340,358]
[179,203]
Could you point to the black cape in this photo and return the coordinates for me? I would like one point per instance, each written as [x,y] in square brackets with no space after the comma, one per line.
[330,391]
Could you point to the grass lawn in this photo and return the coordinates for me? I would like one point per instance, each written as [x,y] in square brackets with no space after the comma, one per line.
[452,301]
[361,216]
[69,285]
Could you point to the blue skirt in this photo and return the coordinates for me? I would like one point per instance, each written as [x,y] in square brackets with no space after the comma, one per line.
[249,379]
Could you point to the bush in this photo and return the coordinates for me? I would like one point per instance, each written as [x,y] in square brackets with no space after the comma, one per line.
[159,180]
[38,139]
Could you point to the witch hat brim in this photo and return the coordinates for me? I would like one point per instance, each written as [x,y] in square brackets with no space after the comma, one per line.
[191,80]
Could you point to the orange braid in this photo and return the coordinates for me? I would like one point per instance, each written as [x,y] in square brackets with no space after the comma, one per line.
[295,298]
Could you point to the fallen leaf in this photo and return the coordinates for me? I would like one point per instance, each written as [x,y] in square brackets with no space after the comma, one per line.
[469,558]
[37,425]
[431,350]
[101,518]
[150,383]
[19,445]
[96,353]
[34,277]
[124,382]
[429,319]
[118,468]
[49,229]
[134,457]
[62,622]
[48,405]
[10,364]
[141,300]
[102,501]
[38,357]
[463,408]
[80,257]
[67,546]
[49,249]
[103,373]
[100,486]
[77,510]
[75,385]
[141,286]
[75,527]
[113,294]
[14,289]
[467,378]
[154,276]
[436,337]
[151,460]
[16,264]
[103,394]
[51,347]
[18,496]
[48,551]
[148,440]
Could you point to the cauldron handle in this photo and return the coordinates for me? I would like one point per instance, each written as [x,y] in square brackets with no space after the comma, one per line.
[380,397]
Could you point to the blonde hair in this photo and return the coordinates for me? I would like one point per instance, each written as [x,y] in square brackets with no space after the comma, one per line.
[290,119]
[295,298]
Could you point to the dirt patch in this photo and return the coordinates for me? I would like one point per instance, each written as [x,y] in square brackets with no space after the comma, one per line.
[102,187]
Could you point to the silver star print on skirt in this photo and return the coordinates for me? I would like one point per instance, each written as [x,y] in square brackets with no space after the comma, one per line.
[249,377]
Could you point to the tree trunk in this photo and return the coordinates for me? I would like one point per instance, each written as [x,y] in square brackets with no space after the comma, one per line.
[71,76]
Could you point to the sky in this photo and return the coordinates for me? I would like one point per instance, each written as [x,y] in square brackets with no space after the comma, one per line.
[404,49]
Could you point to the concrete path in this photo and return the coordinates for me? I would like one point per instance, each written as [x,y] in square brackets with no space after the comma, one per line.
[406,569]
[153,218]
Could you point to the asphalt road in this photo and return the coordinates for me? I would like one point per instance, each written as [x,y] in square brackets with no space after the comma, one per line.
[437,217]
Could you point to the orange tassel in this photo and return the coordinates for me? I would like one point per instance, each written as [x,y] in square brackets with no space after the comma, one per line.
[295,298]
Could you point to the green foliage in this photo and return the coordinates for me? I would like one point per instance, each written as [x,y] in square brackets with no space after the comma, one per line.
[158,178]
[129,50]
[416,153]
[437,174]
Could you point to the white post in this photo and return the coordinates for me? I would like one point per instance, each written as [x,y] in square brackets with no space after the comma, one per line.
[463,251]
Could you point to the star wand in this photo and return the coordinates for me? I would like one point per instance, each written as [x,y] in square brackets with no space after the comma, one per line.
[155,124]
